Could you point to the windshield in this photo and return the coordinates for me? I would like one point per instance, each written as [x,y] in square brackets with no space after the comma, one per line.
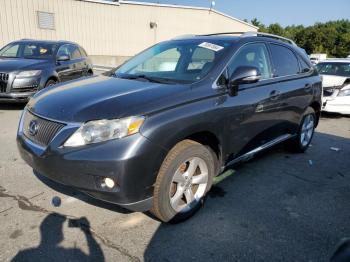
[177,61]
[337,69]
[35,50]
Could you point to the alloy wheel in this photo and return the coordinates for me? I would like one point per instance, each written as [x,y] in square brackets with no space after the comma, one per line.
[188,184]
[307,130]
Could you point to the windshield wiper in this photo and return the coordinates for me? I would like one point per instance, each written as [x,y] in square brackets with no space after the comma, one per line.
[148,78]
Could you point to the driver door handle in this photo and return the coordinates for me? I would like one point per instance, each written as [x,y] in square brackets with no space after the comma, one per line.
[307,86]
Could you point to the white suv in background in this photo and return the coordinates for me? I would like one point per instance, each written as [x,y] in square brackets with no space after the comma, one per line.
[336,85]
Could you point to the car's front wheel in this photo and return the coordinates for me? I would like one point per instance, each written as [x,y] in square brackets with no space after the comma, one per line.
[184,178]
[50,82]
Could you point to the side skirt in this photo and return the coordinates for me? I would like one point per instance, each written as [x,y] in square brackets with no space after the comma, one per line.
[249,155]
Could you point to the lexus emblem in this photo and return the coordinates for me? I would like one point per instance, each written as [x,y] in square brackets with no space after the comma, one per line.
[33,128]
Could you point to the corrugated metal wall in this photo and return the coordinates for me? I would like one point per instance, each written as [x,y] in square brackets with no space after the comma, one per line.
[106,29]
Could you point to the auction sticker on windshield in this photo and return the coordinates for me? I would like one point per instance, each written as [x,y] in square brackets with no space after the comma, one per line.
[211,46]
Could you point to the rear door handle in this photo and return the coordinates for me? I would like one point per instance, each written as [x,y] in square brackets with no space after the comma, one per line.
[307,86]
[274,94]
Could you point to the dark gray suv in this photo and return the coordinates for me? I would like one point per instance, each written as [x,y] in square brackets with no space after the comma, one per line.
[27,66]
[153,133]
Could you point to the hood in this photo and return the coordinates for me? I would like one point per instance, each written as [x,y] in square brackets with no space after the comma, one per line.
[14,64]
[103,97]
[333,81]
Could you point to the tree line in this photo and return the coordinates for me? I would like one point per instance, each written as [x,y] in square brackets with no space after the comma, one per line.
[332,38]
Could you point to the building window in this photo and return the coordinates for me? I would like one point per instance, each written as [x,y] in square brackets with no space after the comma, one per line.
[46,20]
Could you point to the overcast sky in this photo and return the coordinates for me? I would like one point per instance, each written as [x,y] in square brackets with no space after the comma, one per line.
[304,12]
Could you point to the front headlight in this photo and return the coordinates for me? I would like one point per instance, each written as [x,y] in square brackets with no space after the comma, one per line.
[103,130]
[31,73]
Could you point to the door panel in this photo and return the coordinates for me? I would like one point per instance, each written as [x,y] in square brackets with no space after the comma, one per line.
[294,89]
[253,118]
[295,95]
[73,68]
[254,114]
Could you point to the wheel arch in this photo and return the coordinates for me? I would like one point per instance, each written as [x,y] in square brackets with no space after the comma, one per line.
[55,78]
[317,107]
[210,140]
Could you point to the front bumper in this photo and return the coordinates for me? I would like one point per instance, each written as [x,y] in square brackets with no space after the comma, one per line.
[20,90]
[16,96]
[132,162]
[339,105]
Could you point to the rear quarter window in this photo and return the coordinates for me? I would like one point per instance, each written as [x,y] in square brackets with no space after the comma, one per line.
[83,52]
[284,60]
[304,67]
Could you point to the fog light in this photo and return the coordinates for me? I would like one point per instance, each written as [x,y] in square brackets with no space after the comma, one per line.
[109,182]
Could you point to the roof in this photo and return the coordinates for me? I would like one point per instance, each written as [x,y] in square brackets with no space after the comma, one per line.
[44,41]
[240,35]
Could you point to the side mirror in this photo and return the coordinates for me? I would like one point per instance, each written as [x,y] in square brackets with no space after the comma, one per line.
[63,58]
[243,75]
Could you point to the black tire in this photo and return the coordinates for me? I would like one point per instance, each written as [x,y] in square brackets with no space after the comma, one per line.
[295,144]
[88,73]
[50,82]
[176,158]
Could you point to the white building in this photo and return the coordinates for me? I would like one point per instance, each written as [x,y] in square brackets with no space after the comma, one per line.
[109,31]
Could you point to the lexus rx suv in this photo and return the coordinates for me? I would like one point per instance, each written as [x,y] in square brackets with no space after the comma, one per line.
[27,66]
[153,133]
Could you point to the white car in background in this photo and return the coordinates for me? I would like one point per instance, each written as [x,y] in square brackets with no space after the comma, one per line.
[317,58]
[336,85]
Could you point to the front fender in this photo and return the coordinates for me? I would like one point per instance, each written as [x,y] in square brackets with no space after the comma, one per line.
[172,126]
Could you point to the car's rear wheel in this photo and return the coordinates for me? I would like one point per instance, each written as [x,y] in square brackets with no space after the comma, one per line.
[306,131]
[184,178]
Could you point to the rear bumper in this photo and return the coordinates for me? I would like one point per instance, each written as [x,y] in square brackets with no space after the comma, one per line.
[132,162]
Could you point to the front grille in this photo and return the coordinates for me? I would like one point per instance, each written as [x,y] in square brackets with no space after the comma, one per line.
[45,129]
[4,77]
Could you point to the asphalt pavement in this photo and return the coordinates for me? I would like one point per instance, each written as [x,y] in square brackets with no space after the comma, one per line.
[277,207]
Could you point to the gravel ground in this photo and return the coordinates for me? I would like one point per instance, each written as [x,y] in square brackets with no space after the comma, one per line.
[277,207]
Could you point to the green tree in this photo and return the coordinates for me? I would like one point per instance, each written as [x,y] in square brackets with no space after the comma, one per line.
[332,37]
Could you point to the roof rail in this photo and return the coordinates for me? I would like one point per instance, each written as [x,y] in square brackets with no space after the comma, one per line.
[253,33]
[182,36]
[224,33]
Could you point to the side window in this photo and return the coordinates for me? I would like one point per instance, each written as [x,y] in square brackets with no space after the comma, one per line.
[74,51]
[63,51]
[304,67]
[284,60]
[252,55]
